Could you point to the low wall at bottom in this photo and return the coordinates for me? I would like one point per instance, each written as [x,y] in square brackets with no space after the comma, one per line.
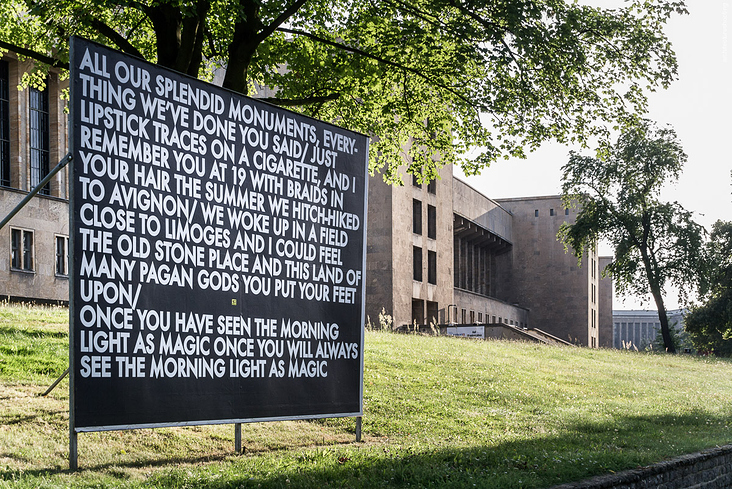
[709,469]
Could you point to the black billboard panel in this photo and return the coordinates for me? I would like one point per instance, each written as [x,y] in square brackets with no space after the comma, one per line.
[218,253]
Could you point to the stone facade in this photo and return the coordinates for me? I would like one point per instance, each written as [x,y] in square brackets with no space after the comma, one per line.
[636,330]
[606,305]
[34,244]
[410,224]
[498,261]
[561,294]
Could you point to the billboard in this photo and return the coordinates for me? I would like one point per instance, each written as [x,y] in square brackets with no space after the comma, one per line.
[218,248]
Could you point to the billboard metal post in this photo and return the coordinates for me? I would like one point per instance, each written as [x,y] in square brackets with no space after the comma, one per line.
[237,438]
[64,161]
[73,455]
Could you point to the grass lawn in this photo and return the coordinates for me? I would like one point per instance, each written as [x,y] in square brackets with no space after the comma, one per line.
[438,412]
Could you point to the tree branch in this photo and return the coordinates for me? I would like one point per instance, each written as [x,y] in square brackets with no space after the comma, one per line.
[393,64]
[283,102]
[116,38]
[54,62]
[275,24]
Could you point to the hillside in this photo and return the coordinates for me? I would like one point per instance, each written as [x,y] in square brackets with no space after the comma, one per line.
[438,412]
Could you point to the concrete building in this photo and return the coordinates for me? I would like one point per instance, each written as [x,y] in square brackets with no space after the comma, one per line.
[33,139]
[606,305]
[479,261]
[563,297]
[636,329]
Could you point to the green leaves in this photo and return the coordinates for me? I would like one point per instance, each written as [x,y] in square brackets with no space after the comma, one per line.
[710,324]
[430,80]
[655,243]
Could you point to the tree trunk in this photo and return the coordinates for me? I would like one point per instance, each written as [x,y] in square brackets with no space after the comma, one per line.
[167,23]
[663,318]
[649,263]
[243,45]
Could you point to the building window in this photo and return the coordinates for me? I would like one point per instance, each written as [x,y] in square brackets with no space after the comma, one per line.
[62,255]
[431,222]
[4,125]
[433,312]
[463,318]
[432,186]
[536,213]
[21,250]
[480,317]
[415,182]
[551,212]
[417,263]
[416,216]
[39,137]
[432,267]
[566,212]
[494,320]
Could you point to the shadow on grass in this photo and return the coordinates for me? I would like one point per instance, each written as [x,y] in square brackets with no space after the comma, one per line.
[33,333]
[578,451]
[11,419]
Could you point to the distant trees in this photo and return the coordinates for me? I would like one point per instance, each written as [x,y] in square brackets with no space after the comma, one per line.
[709,325]
[655,243]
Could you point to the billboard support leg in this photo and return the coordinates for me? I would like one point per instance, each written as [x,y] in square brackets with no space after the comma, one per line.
[73,455]
[358,429]
[237,438]
[64,161]
[48,391]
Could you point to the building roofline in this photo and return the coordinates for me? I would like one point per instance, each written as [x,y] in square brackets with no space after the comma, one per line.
[520,199]
[455,177]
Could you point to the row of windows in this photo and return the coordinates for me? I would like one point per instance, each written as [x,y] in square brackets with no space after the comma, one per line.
[22,252]
[431,265]
[4,125]
[417,219]
[469,317]
[551,212]
[431,187]
[638,335]
[39,132]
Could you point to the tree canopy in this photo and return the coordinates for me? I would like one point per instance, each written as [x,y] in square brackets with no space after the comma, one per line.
[432,81]
[655,243]
[710,324]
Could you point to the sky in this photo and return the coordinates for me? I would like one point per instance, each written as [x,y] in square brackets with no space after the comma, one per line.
[698,106]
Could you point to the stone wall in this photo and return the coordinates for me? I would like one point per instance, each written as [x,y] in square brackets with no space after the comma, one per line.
[492,310]
[541,276]
[45,217]
[605,327]
[709,469]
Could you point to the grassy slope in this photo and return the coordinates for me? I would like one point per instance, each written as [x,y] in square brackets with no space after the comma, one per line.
[439,412]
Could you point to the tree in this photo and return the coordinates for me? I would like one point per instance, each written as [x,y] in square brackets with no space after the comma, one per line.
[710,324]
[678,338]
[655,243]
[430,80]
